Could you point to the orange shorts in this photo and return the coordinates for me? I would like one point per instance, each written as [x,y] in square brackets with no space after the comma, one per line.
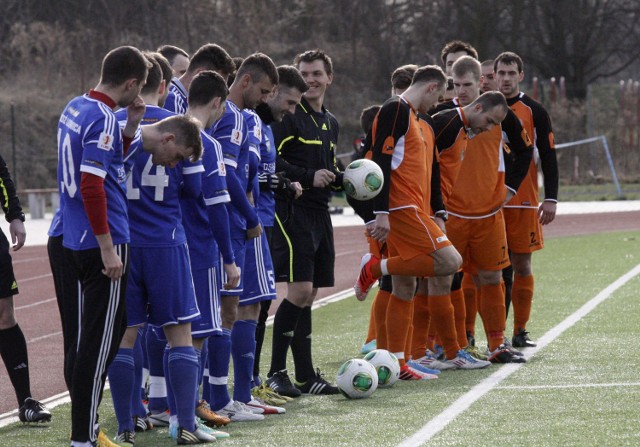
[482,242]
[524,232]
[413,233]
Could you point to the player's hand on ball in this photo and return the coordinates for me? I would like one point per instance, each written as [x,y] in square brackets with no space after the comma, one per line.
[232,274]
[322,178]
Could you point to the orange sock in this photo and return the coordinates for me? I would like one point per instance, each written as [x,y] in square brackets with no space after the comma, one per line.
[441,311]
[421,318]
[470,304]
[420,266]
[371,333]
[493,314]
[521,299]
[398,321]
[407,343]
[380,305]
[459,315]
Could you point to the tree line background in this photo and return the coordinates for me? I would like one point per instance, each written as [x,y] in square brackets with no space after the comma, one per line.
[51,51]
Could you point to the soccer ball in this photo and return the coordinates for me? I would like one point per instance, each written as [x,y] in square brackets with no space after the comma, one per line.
[357,379]
[386,364]
[363,179]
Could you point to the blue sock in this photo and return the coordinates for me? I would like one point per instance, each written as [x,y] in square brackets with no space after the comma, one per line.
[243,349]
[171,400]
[219,357]
[204,381]
[157,384]
[137,409]
[121,381]
[183,375]
[199,378]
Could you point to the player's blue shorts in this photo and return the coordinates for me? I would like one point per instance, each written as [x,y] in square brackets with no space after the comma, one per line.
[238,246]
[208,296]
[160,287]
[259,280]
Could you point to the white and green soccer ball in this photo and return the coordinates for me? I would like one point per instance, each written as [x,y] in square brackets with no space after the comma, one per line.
[363,179]
[357,379]
[387,366]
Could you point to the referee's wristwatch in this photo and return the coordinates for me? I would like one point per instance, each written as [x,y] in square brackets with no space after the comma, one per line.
[442,214]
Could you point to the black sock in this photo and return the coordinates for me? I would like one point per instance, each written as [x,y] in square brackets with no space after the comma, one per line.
[301,347]
[13,349]
[260,328]
[507,277]
[284,325]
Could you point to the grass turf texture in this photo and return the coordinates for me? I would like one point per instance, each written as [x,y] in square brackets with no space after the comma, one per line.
[583,389]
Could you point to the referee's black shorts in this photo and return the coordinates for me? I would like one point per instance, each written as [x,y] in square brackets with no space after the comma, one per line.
[303,245]
[8,285]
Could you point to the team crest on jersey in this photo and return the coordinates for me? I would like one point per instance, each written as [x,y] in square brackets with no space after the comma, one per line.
[105,142]
[236,136]
[222,170]
[257,132]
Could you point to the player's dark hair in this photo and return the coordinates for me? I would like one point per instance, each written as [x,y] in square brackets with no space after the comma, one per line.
[165,66]
[489,100]
[258,65]
[467,64]
[289,76]
[429,73]
[212,57]
[402,76]
[123,63]
[487,63]
[187,132]
[237,61]
[205,86]
[170,52]
[154,77]
[314,55]
[367,116]
[456,46]
[508,58]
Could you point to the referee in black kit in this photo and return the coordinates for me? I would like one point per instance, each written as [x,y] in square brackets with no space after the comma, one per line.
[13,346]
[303,252]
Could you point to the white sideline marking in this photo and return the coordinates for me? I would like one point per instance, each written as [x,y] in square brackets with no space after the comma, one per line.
[37,303]
[438,423]
[63,398]
[568,386]
[33,278]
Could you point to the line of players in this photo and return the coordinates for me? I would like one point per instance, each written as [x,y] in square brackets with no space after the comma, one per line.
[483,201]
[198,230]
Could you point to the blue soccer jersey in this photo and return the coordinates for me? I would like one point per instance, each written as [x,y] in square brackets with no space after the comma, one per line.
[231,132]
[266,202]
[176,101]
[155,217]
[90,140]
[203,249]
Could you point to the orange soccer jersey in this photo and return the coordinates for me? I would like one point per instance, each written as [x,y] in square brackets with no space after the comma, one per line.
[403,146]
[536,122]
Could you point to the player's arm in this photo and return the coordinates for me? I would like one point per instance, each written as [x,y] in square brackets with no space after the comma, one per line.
[98,150]
[191,178]
[436,201]
[11,207]
[521,148]
[390,125]
[548,163]
[224,133]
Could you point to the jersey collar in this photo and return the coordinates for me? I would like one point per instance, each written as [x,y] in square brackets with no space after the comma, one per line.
[99,96]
